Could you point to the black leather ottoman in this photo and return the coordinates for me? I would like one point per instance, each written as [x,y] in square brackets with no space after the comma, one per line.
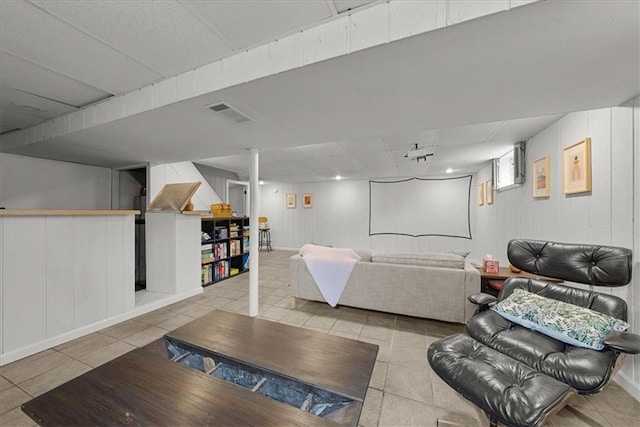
[507,390]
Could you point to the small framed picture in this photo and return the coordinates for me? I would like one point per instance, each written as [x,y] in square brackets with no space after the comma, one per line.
[489,192]
[481,194]
[291,201]
[306,200]
[576,167]
[541,171]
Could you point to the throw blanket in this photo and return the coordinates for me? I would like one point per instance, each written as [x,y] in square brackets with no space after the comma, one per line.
[330,269]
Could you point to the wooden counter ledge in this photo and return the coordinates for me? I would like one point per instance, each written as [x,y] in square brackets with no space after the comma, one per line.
[64,212]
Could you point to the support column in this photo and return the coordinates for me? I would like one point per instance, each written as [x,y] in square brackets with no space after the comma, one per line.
[254,209]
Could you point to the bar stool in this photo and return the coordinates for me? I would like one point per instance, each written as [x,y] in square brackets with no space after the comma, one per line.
[264,234]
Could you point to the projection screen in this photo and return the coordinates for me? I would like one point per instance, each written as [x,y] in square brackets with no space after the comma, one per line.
[421,207]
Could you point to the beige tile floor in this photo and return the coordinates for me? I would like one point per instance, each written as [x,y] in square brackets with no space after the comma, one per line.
[403,390]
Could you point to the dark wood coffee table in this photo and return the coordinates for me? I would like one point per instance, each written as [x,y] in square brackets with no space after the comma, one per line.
[144,387]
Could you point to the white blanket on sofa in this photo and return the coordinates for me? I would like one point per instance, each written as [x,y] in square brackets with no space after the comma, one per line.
[330,269]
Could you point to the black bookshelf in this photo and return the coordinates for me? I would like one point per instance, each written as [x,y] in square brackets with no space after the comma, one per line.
[224,248]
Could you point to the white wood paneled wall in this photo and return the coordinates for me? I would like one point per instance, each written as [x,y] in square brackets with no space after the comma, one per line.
[173,253]
[159,175]
[60,275]
[217,178]
[31,183]
[604,216]
[339,217]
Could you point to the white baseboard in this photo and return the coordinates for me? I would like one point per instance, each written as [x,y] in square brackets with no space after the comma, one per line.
[627,383]
[48,343]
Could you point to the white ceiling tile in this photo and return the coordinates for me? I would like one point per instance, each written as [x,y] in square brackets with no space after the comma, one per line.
[251,22]
[365,145]
[467,134]
[456,154]
[407,140]
[31,78]
[13,118]
[373,157]
[343,162]
[523,129]
[313,165]
[323,150]
[26,109]
[26,32]
[493,149]
[399,156]
[270,156]
[293,154]
[164,35]
[287,168]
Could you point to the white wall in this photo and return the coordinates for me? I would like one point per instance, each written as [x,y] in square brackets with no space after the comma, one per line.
[217,178]
[339,217]
[605,215]
[159,175]
[32,183]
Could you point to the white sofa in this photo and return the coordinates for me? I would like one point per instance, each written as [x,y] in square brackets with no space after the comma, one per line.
[408,284]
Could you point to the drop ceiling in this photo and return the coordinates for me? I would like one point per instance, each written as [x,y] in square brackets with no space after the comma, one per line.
[466,92]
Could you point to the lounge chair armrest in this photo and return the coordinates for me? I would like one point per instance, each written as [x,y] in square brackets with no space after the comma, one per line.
[623,341]
[482,299]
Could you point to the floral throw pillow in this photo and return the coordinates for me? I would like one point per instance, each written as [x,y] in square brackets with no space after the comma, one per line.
[565,322]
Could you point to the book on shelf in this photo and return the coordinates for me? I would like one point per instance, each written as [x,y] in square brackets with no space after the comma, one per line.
[245,245]
[207,274]
[207,255]
[206,246]
[221,270]
[234,247]
[221,233]
[220,251]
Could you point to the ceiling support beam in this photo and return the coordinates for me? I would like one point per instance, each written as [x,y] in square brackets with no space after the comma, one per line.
[377,25]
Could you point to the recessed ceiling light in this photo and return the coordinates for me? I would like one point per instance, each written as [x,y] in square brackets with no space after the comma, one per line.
[449,170]
[338,177]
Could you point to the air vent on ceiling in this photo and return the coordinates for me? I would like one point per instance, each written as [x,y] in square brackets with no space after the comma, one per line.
[229,112]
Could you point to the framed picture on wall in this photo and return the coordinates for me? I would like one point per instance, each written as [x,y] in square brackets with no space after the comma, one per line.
[541,179]
[576,167]
[306,200]
[291,201]
[489,192]
[481,194]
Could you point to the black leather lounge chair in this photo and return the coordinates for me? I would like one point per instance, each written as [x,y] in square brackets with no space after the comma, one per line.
[520,377]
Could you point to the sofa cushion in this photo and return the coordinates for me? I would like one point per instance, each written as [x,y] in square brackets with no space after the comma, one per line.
[423,259]
[565,322]
[365,256]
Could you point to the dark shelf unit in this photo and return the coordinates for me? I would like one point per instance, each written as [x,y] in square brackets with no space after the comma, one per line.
[226,252]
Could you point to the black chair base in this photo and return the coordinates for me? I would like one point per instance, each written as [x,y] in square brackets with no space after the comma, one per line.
[264,240]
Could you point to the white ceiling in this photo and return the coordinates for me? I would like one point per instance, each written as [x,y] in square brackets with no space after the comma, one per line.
[466,92]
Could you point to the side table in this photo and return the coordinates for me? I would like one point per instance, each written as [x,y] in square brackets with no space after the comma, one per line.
[503,275]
